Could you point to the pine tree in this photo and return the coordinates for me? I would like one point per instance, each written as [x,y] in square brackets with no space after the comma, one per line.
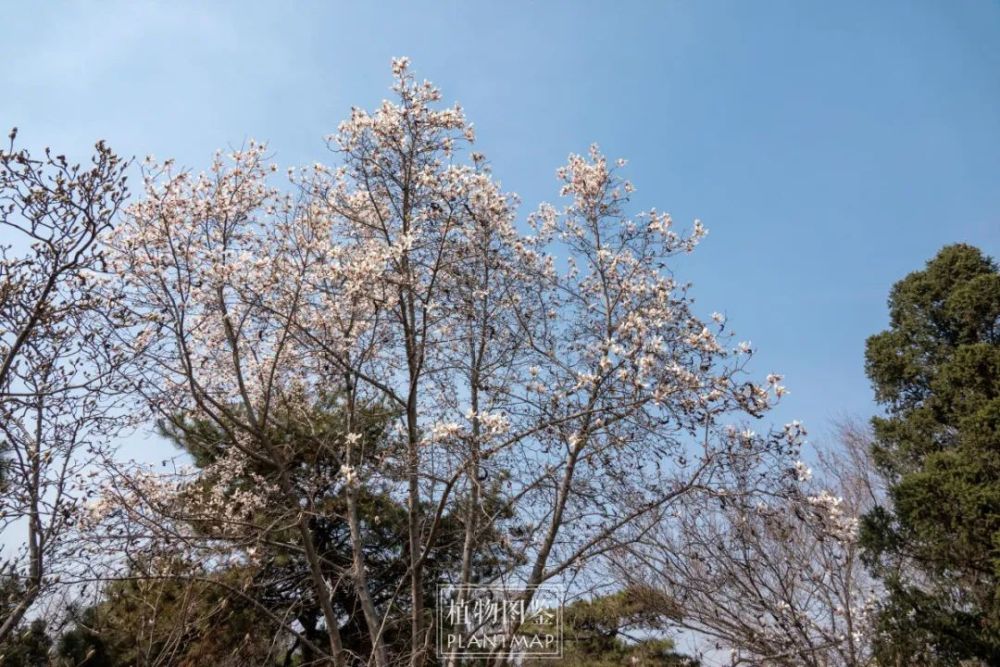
[936,370]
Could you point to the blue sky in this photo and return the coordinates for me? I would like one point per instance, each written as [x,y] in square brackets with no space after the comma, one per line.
[830,148]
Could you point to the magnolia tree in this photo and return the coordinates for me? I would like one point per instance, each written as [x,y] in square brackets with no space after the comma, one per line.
[545,385]
[773,574]
[59,373]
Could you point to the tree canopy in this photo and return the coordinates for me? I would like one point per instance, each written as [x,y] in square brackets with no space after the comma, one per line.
[936,369]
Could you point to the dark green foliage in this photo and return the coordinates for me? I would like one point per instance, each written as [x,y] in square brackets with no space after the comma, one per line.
[172,621]
[29,647]
[937,372]
[197,622]
[624,628]
[919,628]
[383,520]
[86,642]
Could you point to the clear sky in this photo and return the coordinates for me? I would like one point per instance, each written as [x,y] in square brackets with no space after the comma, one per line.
[829,147]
